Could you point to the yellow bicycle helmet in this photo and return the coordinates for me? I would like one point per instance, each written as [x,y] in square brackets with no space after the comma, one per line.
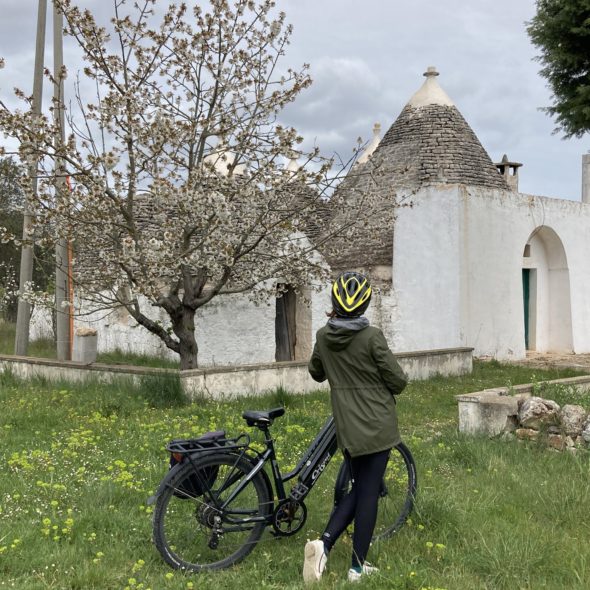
[351,294]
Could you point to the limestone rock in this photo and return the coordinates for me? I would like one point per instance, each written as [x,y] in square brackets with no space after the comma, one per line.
[557,442]
[526,433]
[535,412]
[586,431]
[572,419]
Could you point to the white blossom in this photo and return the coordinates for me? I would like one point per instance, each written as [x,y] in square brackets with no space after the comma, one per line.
[179,193]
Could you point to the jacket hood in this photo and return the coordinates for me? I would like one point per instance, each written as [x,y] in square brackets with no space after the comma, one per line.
[341,331]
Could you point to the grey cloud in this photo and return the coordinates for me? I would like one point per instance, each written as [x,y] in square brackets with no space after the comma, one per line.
[367,59]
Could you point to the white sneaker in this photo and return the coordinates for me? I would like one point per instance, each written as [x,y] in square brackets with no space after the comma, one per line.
[368,569]
[315,561]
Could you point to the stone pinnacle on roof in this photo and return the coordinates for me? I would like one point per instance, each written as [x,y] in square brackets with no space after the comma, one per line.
[430,92]
[431,143]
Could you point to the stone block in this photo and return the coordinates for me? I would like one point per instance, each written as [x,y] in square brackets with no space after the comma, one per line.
[85,346]
[535,412]
[556,441]
[526,434]
[573,418]
[486,413]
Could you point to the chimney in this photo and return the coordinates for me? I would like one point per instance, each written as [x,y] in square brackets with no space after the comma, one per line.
[586,178]
[509,170]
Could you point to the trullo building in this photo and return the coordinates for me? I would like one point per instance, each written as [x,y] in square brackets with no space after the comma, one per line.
[468,262]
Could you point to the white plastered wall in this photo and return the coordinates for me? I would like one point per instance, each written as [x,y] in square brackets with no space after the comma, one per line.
[457,272]
[500,225]
[426,273]
[493,235]
[230,329]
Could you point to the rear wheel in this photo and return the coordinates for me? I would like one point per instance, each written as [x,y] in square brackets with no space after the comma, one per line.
[217,523]
[397,495]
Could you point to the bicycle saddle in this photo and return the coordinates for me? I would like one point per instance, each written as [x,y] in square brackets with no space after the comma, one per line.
[261,418]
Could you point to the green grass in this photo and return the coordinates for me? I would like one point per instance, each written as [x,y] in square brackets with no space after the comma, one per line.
[42,348]
[490,514]
[118,357]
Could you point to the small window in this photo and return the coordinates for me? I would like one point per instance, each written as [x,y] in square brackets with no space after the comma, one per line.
[527,251]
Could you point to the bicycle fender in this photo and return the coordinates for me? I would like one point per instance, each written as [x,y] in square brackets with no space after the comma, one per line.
[164,483]
[172,472]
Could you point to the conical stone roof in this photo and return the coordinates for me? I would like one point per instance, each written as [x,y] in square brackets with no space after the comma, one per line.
[431,143]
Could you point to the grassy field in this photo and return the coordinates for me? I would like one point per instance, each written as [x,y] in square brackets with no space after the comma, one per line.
[79,462]
[44,348]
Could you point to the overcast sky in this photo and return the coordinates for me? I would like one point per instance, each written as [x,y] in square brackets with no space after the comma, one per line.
[367,59]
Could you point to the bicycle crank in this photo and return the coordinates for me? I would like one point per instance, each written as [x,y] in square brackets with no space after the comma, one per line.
[289,516]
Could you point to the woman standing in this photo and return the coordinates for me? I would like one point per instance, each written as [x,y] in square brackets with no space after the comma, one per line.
[364,376]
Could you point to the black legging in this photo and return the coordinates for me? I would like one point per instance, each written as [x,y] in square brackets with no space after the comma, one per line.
[360,505]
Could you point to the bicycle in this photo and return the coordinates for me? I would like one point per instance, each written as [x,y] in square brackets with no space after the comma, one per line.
[217,499]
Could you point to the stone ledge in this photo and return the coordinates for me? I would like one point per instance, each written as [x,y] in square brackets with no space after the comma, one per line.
[221,382]
[43,362]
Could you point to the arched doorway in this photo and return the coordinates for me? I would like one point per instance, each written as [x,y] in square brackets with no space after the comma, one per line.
[546,293]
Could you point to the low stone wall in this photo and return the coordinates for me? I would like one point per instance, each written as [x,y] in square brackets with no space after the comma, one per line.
[424,364]
[220,382]
[293,376]
[29,367]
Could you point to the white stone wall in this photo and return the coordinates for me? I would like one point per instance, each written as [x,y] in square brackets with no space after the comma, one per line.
[457,272]
[491,272]
[230,330]
[426,273]
[321,303]
[223,382]
[382,313]
[499,226]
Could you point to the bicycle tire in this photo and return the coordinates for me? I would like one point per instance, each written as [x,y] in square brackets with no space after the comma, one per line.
[182,526]
[396,501]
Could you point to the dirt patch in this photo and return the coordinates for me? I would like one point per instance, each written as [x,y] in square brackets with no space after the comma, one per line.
[548,360]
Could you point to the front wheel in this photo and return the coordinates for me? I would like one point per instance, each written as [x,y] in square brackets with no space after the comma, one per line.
[209,515]
[398,491]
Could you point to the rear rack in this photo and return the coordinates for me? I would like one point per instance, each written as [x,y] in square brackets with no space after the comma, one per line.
[195,445]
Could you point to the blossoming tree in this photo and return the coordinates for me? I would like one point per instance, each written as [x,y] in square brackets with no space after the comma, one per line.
[178,190]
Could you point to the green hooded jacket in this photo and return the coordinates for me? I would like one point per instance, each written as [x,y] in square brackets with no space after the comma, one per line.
[364,377]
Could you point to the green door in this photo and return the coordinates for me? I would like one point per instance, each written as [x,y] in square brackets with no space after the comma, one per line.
[526,291]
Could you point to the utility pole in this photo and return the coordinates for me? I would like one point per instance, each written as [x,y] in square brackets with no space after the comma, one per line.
[61,250]
[21,342]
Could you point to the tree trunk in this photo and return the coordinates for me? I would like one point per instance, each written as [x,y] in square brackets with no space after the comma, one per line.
[183,325]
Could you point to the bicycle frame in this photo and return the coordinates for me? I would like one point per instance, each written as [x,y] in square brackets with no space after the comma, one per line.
[310,466]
